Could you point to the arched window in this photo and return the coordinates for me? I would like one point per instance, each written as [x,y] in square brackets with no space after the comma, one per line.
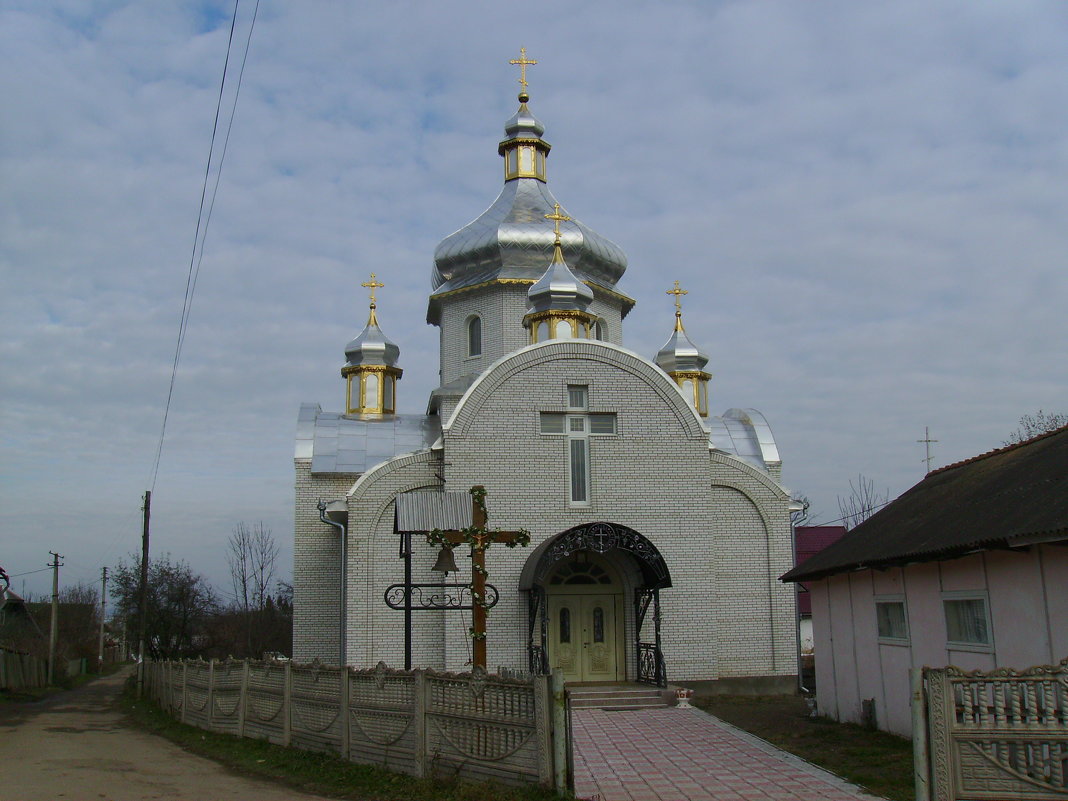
[474,336]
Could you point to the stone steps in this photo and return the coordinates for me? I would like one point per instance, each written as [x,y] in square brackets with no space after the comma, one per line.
[616,697]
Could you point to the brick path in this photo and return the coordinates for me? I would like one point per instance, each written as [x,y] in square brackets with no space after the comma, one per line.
[686,755]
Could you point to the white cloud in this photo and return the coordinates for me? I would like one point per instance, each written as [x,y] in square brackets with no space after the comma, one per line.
[865,201]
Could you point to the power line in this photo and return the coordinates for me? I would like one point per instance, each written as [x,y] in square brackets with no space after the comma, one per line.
[203,220]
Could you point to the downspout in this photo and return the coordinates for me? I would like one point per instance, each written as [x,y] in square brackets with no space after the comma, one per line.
[344,579]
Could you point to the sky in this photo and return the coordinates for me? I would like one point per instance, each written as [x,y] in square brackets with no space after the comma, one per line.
[865,201]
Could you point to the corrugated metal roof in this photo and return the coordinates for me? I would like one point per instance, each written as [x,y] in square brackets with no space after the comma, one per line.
[339,443]
[1007,498]
[426,511]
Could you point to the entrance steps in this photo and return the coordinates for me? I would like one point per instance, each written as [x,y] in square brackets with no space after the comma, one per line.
[616,697]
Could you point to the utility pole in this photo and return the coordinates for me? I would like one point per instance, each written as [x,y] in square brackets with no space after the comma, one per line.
[53,635]
[142,609]
[103,602]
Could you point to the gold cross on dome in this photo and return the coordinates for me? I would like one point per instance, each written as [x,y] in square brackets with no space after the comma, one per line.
[678,293]
[373,285]
[523,61]
[557,218]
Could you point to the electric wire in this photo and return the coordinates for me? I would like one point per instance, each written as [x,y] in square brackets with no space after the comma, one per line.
[203,221]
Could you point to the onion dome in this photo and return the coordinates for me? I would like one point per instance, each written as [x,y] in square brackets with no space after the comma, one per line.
[370,370]
[683,361]
[512,240]
[558,288]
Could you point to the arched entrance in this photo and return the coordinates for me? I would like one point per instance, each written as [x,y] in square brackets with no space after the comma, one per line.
[579,585]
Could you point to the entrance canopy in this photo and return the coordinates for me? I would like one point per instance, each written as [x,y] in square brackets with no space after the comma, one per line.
[598,538]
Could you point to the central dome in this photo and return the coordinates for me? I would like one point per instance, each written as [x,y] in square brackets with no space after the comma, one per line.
[512,239]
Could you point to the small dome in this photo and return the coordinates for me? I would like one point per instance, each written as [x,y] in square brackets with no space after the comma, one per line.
[523,125]
[679,353]
[371,347]
[558,288]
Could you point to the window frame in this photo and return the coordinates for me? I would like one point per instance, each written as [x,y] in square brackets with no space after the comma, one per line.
[956,596]
[889,639]
[469,328]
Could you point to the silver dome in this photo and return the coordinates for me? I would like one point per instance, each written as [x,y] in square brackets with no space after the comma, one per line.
[558,288]
[679,353]
[372,347]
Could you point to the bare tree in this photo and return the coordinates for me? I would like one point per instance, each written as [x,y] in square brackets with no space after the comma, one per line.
[862,503]
[1031,425]
[251,559]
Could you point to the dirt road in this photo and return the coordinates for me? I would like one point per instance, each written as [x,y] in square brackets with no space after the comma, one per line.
[76,747]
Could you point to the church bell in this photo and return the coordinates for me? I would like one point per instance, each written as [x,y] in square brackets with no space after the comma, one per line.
[446,561]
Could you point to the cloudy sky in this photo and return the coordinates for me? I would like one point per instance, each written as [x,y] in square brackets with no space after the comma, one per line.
[866,202]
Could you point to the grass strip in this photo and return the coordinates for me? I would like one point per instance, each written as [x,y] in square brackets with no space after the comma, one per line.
[323,774]
[879,762]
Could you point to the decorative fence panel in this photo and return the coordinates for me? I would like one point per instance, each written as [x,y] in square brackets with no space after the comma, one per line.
[472,725]
[998,736]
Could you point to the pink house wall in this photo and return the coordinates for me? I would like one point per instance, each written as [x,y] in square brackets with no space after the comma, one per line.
[1027,594]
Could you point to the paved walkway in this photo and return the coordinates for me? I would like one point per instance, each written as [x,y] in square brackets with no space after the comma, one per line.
[76,747]
[687,755]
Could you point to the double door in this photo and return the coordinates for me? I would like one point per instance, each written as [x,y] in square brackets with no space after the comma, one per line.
[583,636]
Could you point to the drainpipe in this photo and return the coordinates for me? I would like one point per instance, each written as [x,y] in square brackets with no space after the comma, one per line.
[344,575]
[798,509]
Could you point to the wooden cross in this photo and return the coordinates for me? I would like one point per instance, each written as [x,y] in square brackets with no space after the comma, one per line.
[373,285]
[522,61]
[479,538]
[678,293]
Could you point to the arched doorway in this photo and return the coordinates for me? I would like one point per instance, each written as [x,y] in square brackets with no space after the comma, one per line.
[579,599]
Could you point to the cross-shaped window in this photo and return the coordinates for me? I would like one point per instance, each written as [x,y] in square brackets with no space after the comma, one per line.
[577,425]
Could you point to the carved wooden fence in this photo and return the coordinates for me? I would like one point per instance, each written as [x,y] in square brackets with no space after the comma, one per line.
[995,736]
[472,725]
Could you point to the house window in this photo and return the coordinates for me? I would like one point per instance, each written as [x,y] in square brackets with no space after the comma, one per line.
[892,620]
[967,620]
[474,336]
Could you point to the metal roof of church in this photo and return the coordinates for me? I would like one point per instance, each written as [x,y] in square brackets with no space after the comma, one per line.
[351,443]
[1008,498]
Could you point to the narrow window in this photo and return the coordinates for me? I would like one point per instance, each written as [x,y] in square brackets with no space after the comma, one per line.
[598,624]
[474,336]
[579,470]
[387,394]
[543,331]
[967,621]
[370,391]
[565,625]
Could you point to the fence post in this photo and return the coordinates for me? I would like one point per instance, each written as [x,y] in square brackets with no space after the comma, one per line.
[561,746]
[343,711]
[419,707]
[211,693]
[920,756]
[543,728]
[185,688]
[242,699]
[287,704]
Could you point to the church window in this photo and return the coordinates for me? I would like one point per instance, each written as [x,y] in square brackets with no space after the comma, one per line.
[543,331]
[580,573]
[598,624]
[578,396]
[565,625]
[580,470]
[474,336]
[702,399]
[602,423]
[564,330]
[598,330]
[370,391]
[387,393]
[552,423]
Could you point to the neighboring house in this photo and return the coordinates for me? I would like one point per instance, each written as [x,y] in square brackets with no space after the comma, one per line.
[657,529]
[967,568]
[18,628]
[809,541]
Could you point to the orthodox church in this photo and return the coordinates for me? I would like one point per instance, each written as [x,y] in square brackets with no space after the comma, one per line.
[642,539]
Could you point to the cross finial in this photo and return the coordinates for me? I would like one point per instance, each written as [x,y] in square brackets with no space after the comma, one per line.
[927,441]
[373,285]
[523,62]
[678,293]
[557,218]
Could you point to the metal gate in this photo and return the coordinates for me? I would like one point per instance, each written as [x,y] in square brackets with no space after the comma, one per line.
[993,736]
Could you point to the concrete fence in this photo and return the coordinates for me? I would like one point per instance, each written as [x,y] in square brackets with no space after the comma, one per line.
[475,726]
